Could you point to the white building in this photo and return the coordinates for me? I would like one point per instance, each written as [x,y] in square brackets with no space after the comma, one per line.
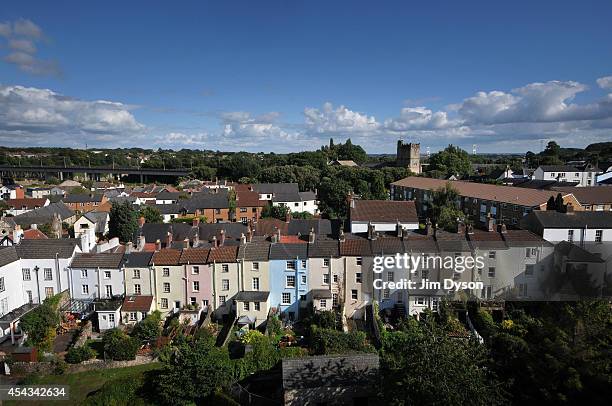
[382,215]
[288,195]
[96,276]
[583,175]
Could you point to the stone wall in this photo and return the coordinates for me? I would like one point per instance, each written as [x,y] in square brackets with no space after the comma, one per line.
[83,335]
[46,368]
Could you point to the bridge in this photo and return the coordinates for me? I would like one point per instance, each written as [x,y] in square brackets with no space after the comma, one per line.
[67,172]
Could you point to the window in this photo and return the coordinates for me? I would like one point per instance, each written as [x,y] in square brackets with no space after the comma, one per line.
[359,261]
[166,272]
[323,303]
[26,274]
[390,276]
[245,306]
[222,300]
[205,302]
[303,298]
[358,277]
[166,287]
[255,283]
[286,298]
[257,306]
[225,268]
[296,204]
[531,252]
[522,289]
[303,264]
[419,300]
[85,289]
[326,279]
[326,262]
[570,235]
[291,265]
[529,269]
[303,279]
[137,289]
[49,292]
[217,211]
[195,270]
[243,210]
[225,284]
[334,299]
[136,273]
[424,273]
[2,287]
[598,236]
[491,254]
[487,292]
[290,281]
[255,266]
[107,275]
[48,272]
[386,294]
[30,297]
[108,290]
[132,316]
[491,272]
[354,294]
[164,303]
[196,286]
[193,300]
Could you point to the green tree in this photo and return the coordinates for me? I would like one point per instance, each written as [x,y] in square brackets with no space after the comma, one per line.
[333,193]
[444,208]
[151,214]
[451,161]
[552,149]
[40,324]
[119,346]
[277,212]
[123,222]
[149,328]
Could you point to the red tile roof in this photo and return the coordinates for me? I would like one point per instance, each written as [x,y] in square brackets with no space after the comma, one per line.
[30,203]
[194,256]
[137,303]
[384,211]
[247,198]
[355,248]
[223,254]
[34,234]
[167,256]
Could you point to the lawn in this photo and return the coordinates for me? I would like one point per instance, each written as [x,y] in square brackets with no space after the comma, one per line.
[83,383]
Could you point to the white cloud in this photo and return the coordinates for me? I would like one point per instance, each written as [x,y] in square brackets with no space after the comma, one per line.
[21,41]
[418,118]
[340,120]
[605,82]
[33,113]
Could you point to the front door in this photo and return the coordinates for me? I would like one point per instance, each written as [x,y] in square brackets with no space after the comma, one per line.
[109,291]
[111,320]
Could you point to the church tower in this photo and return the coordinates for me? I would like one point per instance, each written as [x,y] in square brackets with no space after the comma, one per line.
[409,156]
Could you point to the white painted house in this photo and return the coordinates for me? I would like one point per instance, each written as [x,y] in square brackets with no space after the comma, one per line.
[382,215]
[583,175]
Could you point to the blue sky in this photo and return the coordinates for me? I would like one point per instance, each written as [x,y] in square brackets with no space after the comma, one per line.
[288,75]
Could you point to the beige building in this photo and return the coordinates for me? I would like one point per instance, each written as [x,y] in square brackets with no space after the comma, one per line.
[225,277]
[168,280]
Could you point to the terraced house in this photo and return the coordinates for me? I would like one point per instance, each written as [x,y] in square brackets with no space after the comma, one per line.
[169,284]
[138,273]
[225,278]
[198,277]
[96,276]
[288,278]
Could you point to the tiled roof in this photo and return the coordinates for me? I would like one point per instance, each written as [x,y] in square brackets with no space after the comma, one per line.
[254,251]
[355,248]
[43,249]
[577,219]
[268,226]
[29,203]
[384,211]
[137,303]
[252,296]
[8,255]
[247,198]
[97,260]
[574,253]
[589,194]
[523,238]
[194,256]
[387,246]
[44,215]
[559,168]
[223,254]
[483,240]
[82,198]
[276,188]
[452,242]
[34,234]
[505,194]
[167,256]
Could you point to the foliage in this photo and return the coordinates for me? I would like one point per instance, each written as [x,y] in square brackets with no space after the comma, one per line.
[444,208]
[204,173]
[451,161]
[150,214]
[149,328]
[328,341]
[274,326]
[197,370]
[326,319]
[40,324]
[123,222]
[422,365]
[120,392]
[250,337]
[119,346]
[277,212]
[332,194]
[301,215]
[47,230]
[76,355]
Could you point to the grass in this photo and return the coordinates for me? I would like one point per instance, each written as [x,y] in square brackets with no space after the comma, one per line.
[83,383]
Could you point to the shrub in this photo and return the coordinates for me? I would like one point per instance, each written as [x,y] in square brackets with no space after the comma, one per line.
[119,392]
[327,341]
[119,346]
[76,355]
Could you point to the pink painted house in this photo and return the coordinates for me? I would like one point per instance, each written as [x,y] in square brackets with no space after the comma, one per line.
[198,277]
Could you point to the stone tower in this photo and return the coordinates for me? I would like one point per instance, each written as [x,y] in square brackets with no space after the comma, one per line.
[409,156]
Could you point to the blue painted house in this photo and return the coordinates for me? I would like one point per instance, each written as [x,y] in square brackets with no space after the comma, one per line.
[288,278]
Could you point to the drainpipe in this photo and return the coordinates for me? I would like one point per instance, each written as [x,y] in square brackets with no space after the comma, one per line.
[36,269]
[57,272]
[99,282]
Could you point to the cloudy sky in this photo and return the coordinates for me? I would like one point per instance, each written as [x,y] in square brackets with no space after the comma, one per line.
[288,75]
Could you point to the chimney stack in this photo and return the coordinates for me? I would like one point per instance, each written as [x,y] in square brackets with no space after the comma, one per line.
[341,236]
[278,235]
[503,229]
[214,241]
[158,245]
[195,222]
[288,216]
[222,237]
[141,221]
[168,239]
[569,208]
[249,235]
[490,223]
[186,243]
[399,229]
[460,227]
[371,231]
[128,247]
[470,229]
[311,236]
[243,239]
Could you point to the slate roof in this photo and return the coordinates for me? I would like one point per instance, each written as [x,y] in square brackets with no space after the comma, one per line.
[137,303]
[165,195]
[417,242]
[46,249]
[321,293]
[99,218]
[576,219]
[252,296]
[167,256]
[137,259]
[223,254]
[8,255]
[44,215]
[590,194]
[288,251]
[388,211]
[387,246]
[355,248]
[205,201]
[97,260]
[303,226]
[324,249]
[194,256]
[276,188]
[254,251]
[233,231]
[574,253]
[559,168]
[173,208]
[82,198]
[452,242]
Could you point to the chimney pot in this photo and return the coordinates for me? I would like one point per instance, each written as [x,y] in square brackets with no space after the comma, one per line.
[141,221]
